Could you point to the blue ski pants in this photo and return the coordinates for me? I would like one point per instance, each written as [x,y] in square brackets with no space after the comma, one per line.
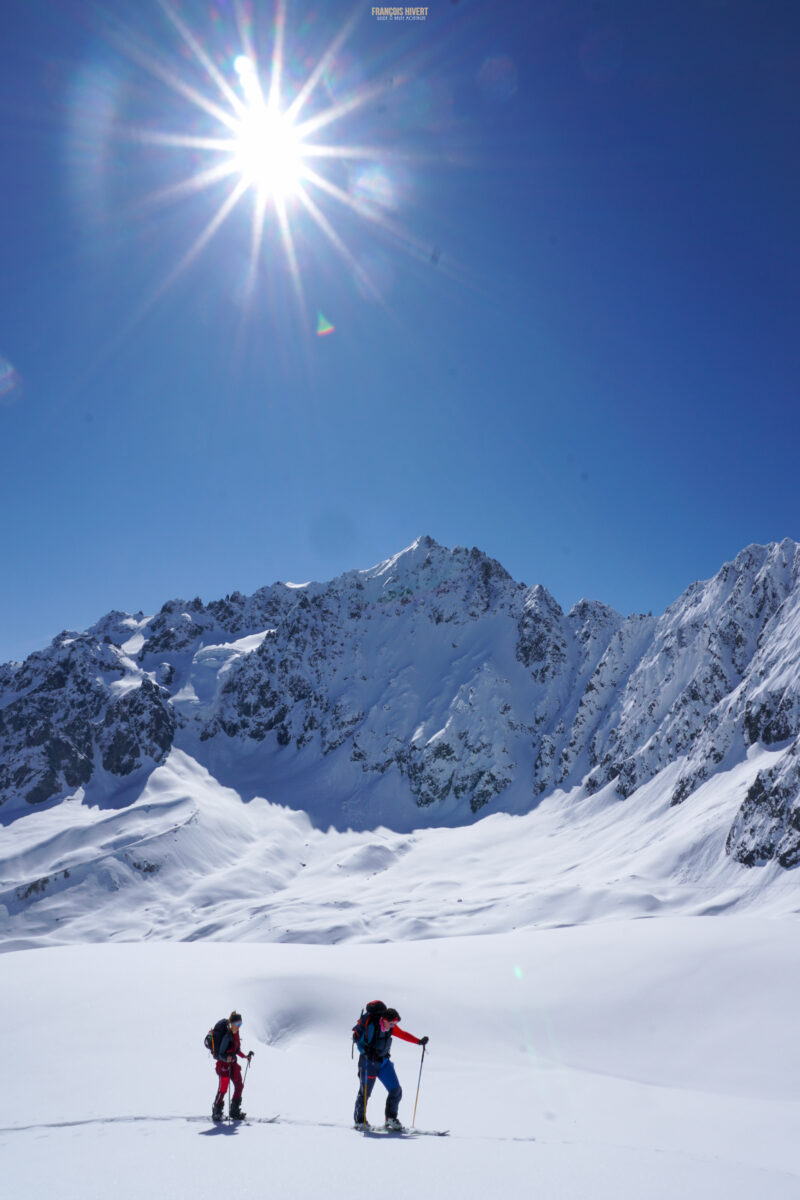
[369,1071]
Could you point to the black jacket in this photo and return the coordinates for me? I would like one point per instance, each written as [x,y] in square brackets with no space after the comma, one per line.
[230,1044]
[379,1044]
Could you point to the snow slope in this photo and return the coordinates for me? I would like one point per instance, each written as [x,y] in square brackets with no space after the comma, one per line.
[188,860]
[618,1060]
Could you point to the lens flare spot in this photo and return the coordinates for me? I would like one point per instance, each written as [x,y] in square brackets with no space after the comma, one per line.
[243,66]
[518,972]
[9,381]
[324,326]
[498,78]
[374,187]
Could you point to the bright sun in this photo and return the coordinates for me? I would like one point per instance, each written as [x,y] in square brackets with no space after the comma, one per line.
[267,152]
[257,144]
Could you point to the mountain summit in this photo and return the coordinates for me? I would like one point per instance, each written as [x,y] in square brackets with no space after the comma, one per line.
[431,689]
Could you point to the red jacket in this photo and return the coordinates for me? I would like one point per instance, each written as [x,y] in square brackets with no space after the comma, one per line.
[406,1037]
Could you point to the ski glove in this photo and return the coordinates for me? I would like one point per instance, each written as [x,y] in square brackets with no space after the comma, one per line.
[424,1041]
[250,1055]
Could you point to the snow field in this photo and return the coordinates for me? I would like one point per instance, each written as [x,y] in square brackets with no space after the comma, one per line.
[644,1058]
[187,859]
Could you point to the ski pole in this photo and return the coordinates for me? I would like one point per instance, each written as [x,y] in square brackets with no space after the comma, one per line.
[365,1095]
[419,1081]
[244,1079]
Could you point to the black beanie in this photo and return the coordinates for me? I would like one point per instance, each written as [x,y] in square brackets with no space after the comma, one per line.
[234,1017]
[391,1014]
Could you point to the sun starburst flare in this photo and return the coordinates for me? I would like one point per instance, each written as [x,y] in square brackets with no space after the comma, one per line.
[247,130]
[267,152]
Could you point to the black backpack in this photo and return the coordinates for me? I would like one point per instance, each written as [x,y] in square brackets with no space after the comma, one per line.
[213,1039]
[374,1010]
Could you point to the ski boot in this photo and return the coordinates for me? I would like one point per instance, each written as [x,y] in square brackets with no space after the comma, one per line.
[393,1125]
[216,1111]
[236,1111]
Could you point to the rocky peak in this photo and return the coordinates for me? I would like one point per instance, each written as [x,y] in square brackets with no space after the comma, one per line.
[428,688]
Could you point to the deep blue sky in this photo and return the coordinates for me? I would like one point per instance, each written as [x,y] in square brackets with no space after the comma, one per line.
[589,366]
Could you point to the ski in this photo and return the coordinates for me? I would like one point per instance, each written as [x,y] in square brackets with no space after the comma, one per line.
[243,1120]
[382,1131]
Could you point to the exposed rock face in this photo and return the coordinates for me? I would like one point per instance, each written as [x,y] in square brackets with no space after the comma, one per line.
[767,826]
[433,678]
[713,661]
[68,709]
[138,726]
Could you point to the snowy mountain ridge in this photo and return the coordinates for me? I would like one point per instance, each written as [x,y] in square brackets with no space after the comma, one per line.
[431,689]
[428,690]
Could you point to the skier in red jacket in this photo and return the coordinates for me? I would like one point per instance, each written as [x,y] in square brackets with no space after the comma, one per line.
[374,1062]
[228,1068]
